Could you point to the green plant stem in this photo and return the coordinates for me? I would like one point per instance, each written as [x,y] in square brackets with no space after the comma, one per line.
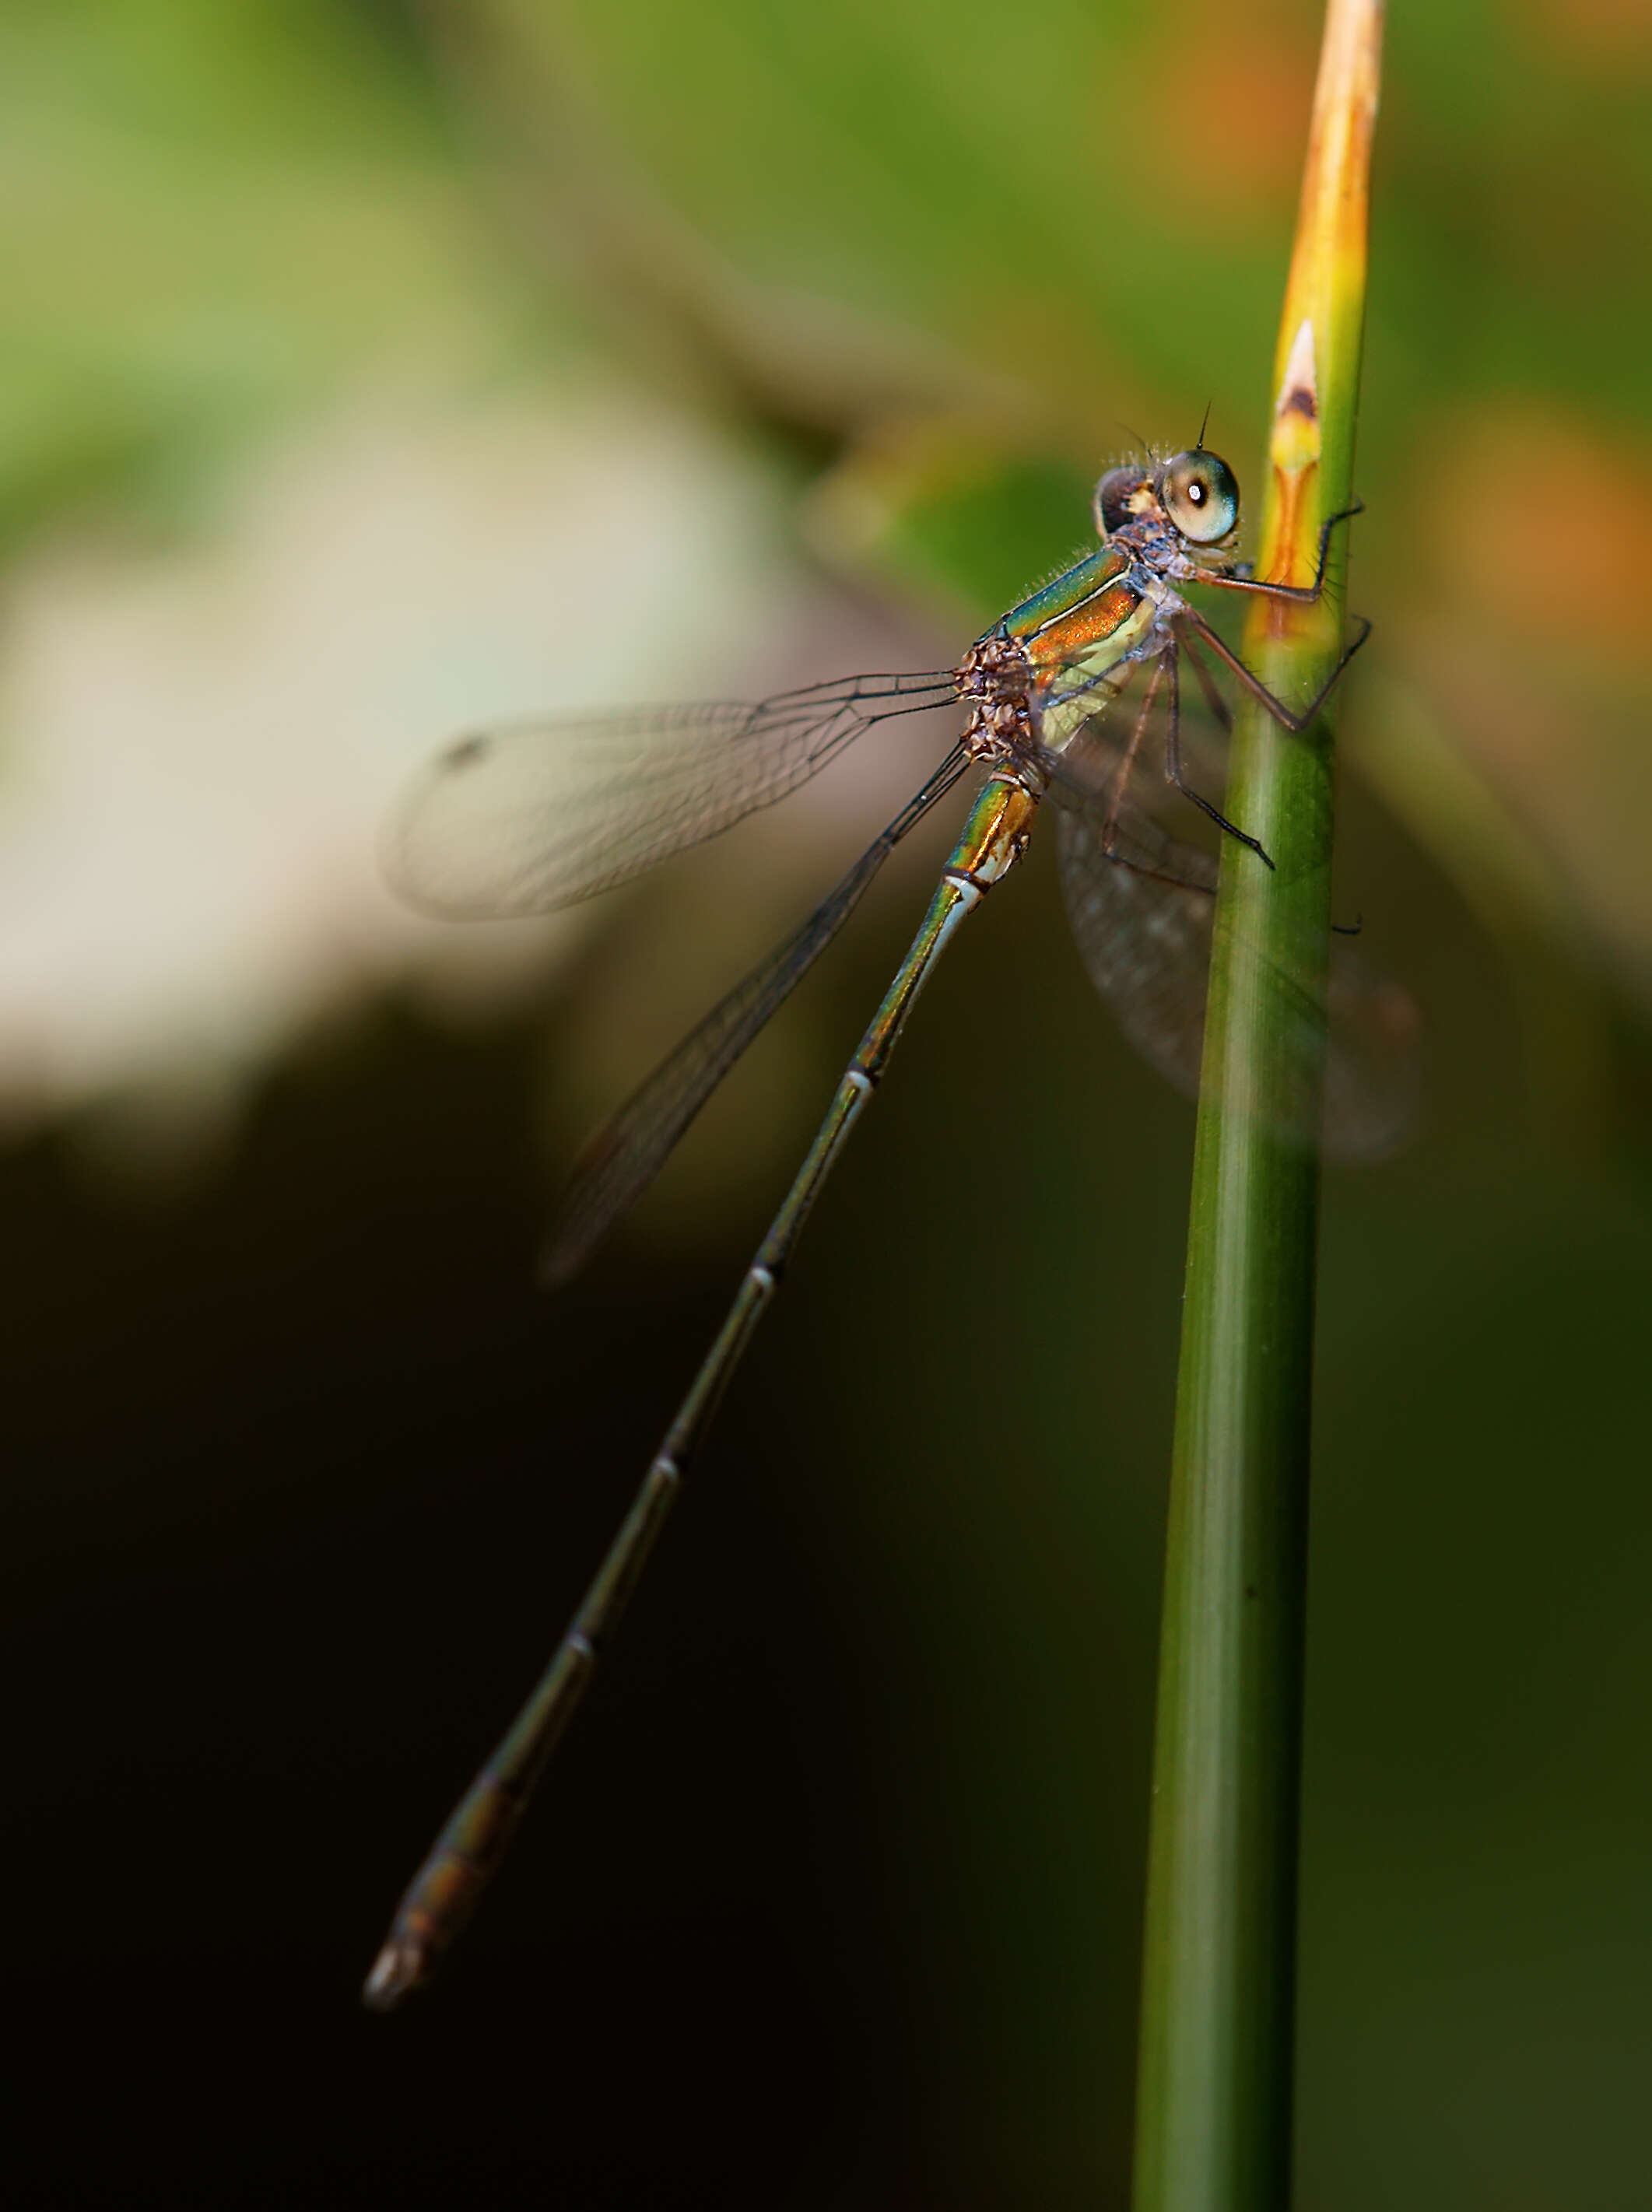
[1214,2099]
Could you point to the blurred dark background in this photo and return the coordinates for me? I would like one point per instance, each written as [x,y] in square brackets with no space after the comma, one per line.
[367,367]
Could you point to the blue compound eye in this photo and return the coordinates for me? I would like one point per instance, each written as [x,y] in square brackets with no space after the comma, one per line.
[1199,496]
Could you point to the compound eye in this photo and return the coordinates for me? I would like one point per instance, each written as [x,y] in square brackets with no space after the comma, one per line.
[1200,497]
[1116,499]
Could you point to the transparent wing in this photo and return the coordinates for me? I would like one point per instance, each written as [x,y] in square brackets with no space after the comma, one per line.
[1141,904]
[532,816]
[629,1153]
[1373,1070]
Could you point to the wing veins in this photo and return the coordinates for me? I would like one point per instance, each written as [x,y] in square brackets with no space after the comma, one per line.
[626,1155]
[529,817]
[1141,905]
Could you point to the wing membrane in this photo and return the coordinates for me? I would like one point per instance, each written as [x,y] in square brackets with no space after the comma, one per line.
[630,1152]
[1142,905]
[532,816]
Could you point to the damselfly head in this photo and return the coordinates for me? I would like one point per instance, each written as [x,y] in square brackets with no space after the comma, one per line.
[1193,494]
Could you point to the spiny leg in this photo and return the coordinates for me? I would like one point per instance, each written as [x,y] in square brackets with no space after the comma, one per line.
[1302,594]
[1213,699]
[1173,765]
[1305,594]
[1109,829]
[1293,721]
[1218,707]
[447,1887]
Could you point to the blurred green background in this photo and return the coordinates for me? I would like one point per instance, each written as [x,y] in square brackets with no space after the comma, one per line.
[367,367]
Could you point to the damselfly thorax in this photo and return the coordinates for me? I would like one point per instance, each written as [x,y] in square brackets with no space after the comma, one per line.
[1057,659]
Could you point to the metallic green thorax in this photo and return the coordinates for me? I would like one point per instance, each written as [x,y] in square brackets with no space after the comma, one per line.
[1080,633]
[1064,594]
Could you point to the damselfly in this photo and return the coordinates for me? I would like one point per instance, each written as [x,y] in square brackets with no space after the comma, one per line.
[1074,695]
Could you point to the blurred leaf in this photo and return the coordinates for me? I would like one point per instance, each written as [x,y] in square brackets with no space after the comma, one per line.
[222,212]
